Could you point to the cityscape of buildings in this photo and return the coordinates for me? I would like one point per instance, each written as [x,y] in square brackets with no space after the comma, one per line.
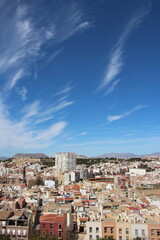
[64,198]
[79,77]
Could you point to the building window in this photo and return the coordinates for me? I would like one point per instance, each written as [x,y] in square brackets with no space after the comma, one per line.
[97,237]
[51,226]
[136,232]
[90,229]
[51,234]
[112,230]
[143,232]
[90,237]
[43,225]
[105,229]
[120,230]
[97,229]
[60,234]
[152,232]
[120,237]
[59,226]
[127,237]
[127,230]
[44,234]
[158,233]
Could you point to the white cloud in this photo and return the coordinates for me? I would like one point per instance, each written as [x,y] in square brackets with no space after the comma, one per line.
[43,120]
[57,107]
[65,90]
[112,87]
[53,131]
[52,56]
[116,60]
[19,134]
[82,133]
[114,118]
[126,114]
[129,134]
[22,92]
[17,76]
[31,109]
[26,32]
[40,113]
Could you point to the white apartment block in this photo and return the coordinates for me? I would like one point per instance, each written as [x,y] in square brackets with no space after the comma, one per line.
[93,230]
[140,230]
[65,162]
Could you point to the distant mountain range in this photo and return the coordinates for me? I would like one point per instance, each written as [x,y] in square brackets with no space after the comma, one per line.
[128,155]
[117,155]
[3,158]
[30,155]
[106,155]
[81,157]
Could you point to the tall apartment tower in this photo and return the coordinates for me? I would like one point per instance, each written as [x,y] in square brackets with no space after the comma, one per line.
[65,162]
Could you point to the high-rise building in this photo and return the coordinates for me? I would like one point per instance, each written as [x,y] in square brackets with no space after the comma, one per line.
[65,162]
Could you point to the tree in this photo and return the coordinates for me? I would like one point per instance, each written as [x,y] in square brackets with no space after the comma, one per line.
[108,238]
[39,181]
[38,237]
[137,238]
[2,237]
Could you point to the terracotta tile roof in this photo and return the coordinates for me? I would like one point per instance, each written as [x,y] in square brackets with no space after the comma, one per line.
[84,196]
[134,208]
[75,187]
[52,218]
[83,219]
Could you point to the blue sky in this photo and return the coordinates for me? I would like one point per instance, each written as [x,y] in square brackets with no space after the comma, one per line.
[80,76]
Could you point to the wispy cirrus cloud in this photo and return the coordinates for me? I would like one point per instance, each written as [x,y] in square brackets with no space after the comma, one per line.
[112,118]
[32,109]
[20,73]
[22,91]
[112,87]
[26,31]
[28,37]
[40,113]
[116,61]
[20,133]
[82,133]
[65,90]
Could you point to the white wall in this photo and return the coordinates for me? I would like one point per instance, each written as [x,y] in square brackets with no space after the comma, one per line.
[137,171]
[139,227]
[93,225]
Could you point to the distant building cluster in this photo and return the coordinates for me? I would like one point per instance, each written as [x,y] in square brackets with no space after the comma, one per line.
[69,201]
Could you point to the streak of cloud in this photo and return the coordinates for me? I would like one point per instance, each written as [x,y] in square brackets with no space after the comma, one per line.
[116,61]
[112,118]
